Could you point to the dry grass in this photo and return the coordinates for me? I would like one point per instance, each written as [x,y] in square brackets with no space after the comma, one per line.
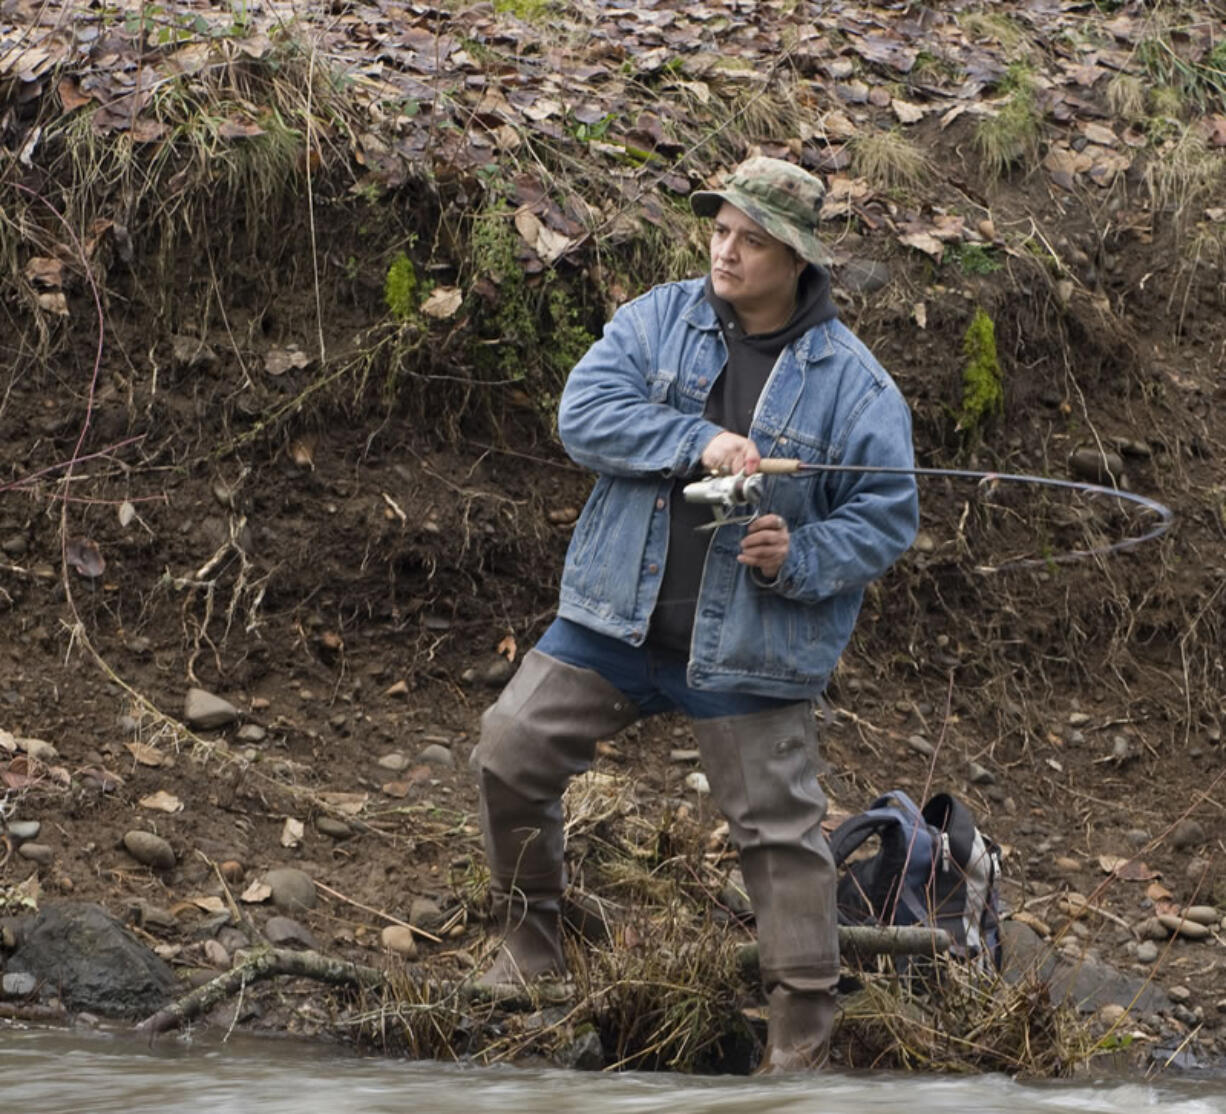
[1185,174]
[1126,97]
[889,160]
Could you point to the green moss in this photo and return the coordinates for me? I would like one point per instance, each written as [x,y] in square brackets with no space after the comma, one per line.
[400,291]
[971,259]
[983,395]
[528,10]
[534,331]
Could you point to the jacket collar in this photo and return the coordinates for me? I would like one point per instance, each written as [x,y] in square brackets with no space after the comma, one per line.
[811,348]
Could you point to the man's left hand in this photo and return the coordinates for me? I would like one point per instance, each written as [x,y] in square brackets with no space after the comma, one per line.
[765,545]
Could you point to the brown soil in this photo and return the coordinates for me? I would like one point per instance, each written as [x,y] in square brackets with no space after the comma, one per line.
[349,588]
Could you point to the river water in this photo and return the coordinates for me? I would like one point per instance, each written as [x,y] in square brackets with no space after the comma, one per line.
[45,1072]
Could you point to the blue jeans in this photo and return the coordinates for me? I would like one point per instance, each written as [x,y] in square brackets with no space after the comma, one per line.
[653,679]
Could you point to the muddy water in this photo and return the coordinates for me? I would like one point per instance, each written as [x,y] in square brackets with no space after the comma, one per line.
[56,1073]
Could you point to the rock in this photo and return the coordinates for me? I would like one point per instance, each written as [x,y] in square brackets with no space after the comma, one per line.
[980,775]
[1078,719]
[396,938]
[863,276]
[251,733]
[424,913]
[920,745]
[291,888]
[287,932]
[1098,467]
[497,673]
[93,963]
[396,762]
[1202,914]
[18,984]
[684,754]
[37,853]
[1138,837]
[330,826]
[1153,929]
[924,543]
[21,830]
[584,1052]
[1190,930]
[1081,980]
[148,915]
[697,781]
[437,755]
[1066,863]
[216,955]
[1187,833]
[232,871]
[149,849]
[734,896]
[1179,993]
[206,711]
[1147,951]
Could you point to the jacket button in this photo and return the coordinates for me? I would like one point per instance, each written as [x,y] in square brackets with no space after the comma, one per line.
[659,504]
[653,568]
[702,380]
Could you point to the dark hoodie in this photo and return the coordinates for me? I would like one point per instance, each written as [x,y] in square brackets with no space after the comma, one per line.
[731,404]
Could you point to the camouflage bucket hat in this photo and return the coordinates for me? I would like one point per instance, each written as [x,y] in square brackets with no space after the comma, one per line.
[780,196]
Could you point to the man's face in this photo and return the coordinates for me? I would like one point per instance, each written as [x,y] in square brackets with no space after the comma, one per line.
[750,269]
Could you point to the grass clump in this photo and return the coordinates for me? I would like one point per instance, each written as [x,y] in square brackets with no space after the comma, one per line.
[986,26]
[889,160]
[1185,173]
[1126,97]
[1012,134]
[983,395]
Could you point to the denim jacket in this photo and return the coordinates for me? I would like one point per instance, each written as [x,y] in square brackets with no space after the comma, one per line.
[632,411]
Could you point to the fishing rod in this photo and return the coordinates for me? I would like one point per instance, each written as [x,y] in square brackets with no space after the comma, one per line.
[725,494]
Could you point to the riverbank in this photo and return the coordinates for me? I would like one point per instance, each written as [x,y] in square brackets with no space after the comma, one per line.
[290,301]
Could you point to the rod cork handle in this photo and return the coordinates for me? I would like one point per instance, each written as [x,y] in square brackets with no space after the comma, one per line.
[778,465]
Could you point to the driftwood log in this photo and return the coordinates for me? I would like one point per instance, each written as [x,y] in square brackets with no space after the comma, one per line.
[859,942]
[265,964]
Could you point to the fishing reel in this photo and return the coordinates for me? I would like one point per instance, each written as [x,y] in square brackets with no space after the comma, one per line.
[724,494]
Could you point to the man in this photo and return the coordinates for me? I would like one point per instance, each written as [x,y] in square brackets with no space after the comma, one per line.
[740,627]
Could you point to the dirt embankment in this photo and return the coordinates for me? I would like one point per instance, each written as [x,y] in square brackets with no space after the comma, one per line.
[295,301]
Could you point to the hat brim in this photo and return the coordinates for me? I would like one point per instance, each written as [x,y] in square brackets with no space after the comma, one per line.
[706,203]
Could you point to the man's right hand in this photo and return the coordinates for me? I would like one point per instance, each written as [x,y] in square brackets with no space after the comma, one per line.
[728,453]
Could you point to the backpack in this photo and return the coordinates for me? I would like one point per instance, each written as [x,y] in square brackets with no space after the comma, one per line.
[934,867]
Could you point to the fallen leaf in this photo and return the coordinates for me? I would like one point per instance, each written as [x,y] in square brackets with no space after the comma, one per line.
[145,754]
[84,556]
[206,903]
[8,741]
[53,302]
[348,804]
[280,360]
[1156,892]
[256,892]
[442,302]
[925,242]
[103,779]
[239,129]
[162,802]
[400,688]
[508,648]
[291,832]
[398,789]
[127,512]
[920,312]
[42,270]
[302,453]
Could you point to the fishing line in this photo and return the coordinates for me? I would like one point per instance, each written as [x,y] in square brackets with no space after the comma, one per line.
[732,491]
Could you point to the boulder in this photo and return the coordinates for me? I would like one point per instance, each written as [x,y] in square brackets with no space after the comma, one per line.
[83,954]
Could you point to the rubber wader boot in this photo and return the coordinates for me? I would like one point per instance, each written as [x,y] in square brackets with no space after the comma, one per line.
[763,774]
[540,733]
